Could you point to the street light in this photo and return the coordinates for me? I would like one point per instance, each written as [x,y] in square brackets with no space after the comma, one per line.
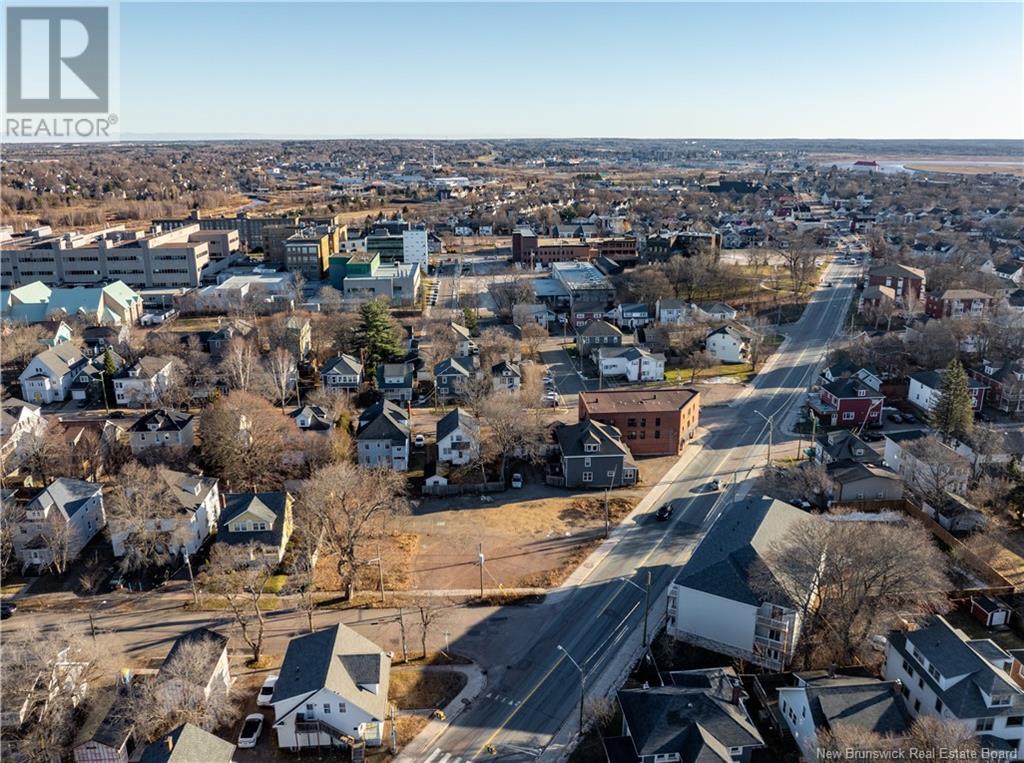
[583,679]
[771,431]
[647,600]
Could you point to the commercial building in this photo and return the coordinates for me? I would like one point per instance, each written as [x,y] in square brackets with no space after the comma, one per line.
[152,258]
[583,282]
[308,251]
[253,230]
[36,302]
[533,250]
[361,275]
[652,422]
[408,246]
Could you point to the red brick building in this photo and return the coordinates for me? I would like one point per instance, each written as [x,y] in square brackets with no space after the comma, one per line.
[655,422]
[958,303]
[903,280]
[532,250]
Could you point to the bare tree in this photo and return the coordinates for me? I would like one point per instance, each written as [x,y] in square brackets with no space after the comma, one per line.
[344,503]
[283,373]
[848,584]
[239,574]
[699,360]
[513,431]
[805,481]
[141,518]
[243,441]
[58,538]
[330,299]
[240,364]
[937,469]
[533,335]
[431,611]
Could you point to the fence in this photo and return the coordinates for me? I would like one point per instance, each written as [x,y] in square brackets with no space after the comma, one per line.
[475,487]
[994,582]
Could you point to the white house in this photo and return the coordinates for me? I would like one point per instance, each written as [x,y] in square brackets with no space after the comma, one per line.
[954,473]
[728,344]
[143,382]
[946,673]
[49,375]
[818,700]
[57,523]
[458,437]
[331,691]
[506,376]
[715,311]
[20,424]
[634,363]
[926,388]
[193,506]
[631,315]
[464,345]
[342,374]
[162,429]
[671,310]
[712,602]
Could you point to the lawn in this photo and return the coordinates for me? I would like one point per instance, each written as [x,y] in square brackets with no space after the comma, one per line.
[416,689]
[742,372]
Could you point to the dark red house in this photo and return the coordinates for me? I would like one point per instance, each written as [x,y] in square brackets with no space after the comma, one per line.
[902,279]
[847,403]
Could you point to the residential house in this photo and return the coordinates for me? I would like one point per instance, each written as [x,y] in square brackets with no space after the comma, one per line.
[926,388]
[633,363]
[144,381]
[818,703]
[57,332]
[452,376]
[300,333]
[88,385]
[332,690]
[98,338]
[947,674]
[49,375]
[842,445]
[107,735]
[875,297]
[221,339]
[20,424]
[1011,270]
[189,744]
[506,376]
[458,437]
[672,311]
[631,315]
[464,344]
[312,418]
[714,311]
[384,439]
[583,313]
[395,381]
[958,303]
[343,373]
[654,422]
[162,428]
[728,344]
[905,281]
[193,506]
[847,403]
[847,369]
[714,603]
[526,313]
[208,664]
[699,716]
[55,525]
[1004,382]
[593,456]
[260,521]
[864,481]
[955,470]
[596,335]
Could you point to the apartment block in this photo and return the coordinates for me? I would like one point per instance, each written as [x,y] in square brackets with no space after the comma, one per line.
[653,422]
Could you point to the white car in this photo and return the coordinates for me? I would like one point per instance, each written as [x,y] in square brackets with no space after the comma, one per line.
[517,481]
[266,692]
[251,730]
[419,441]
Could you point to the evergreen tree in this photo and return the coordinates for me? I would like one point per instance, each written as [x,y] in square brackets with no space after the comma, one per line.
[953,414]
[469,318]
[377,335]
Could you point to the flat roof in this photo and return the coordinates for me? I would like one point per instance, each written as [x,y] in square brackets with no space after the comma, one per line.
[626,400]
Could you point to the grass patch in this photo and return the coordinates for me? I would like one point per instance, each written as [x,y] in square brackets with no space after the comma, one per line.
[212,603]
[275,584]
[413,688]
[741,371]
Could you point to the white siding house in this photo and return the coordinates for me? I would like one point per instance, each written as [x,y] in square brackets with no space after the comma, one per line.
[728,345]
[49,375]
[633,363]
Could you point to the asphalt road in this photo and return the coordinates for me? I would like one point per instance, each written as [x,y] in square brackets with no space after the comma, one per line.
[528,699]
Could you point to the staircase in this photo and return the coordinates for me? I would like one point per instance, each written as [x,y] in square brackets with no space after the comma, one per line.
[309,725]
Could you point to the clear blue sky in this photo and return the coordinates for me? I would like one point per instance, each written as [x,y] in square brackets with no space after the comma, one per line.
[728,70]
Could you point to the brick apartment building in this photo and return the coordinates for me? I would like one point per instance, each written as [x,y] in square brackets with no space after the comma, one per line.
[532,250]
[958,303]
[652,422]
[903,280]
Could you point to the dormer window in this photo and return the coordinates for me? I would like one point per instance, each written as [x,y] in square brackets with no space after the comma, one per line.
[590,448]
[1000,699]
[861,393]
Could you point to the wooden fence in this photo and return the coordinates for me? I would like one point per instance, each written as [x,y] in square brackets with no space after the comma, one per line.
[466,489]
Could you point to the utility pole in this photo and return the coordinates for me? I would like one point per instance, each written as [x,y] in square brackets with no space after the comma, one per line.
[191,579]
[647,606]
[92,626]
[480,556]
[771,432]
[380,573]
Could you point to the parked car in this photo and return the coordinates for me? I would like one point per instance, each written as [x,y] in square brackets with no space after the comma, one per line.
[7,609]
[116,583]
[251,730]
[800,503]
[517,481]
[895,418]
[664,512]
[716,486]
[419,441]
[909,418]
[266,692]
[828,284]
[868,436]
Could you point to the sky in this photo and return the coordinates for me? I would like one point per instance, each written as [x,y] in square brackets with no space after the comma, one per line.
[463,70]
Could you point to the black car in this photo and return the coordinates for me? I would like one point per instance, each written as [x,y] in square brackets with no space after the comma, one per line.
[7,609]
[895,418]
[664,512]
[909,418]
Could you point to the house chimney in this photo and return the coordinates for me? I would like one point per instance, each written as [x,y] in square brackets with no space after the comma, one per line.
[169,741]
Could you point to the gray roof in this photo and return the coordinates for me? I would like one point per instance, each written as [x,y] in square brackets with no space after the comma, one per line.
[572,438]
[848,472]
[843,445]
[907,435]
[165,420]
[386,426]
[740,539]
[505,365]
[631,352]
[454,367]
[338,659]
[864,703]
[600,328]
[343,364]
[189,744]
[383,406]
[189,490]
[972,662]
[692,721]
[933,379]
[61,359]
[458,419]
[68,495]
[273,507]
[318,417]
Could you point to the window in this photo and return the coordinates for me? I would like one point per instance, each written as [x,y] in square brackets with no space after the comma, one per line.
[327,708]
[588,476]
[934,673]
[983,724]
[311,707]
[657,434]
[905,691]
[1015,720]
[586,461]
[848,415]
[657,421]
[917,705]
[908,669]
[938,705]
[611,473]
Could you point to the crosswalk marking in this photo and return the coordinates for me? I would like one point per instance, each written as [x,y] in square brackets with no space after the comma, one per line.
[433,755]
[446,757]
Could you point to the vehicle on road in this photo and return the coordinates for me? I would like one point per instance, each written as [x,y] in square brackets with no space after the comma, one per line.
[517,481]
[251,730]
[419,441]
[7,609]
[664,512]
[827,284]
[266,692]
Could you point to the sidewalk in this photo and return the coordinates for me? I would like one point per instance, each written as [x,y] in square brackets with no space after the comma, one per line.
[419,746]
